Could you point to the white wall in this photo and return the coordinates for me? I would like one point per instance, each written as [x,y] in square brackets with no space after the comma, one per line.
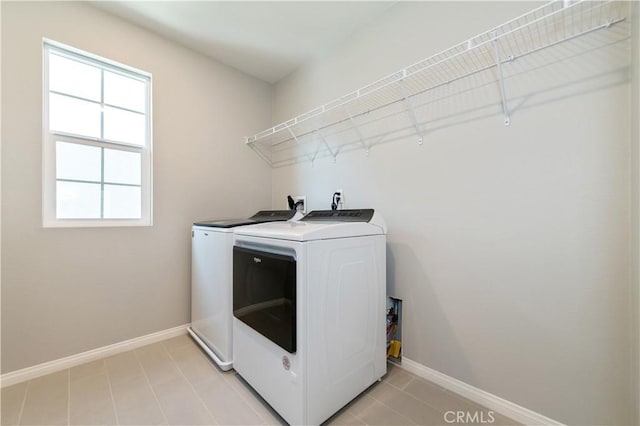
[65,291]
[509,246]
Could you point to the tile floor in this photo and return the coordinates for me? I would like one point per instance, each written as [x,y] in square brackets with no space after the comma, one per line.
[174,383]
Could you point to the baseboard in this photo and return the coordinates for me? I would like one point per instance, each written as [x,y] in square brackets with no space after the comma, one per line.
[29,373]
[489,400]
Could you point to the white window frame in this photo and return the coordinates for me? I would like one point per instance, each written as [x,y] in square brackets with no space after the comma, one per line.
[49,139]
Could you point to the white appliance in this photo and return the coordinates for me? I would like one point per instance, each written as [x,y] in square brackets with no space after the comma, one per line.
[211,282]
[309,310]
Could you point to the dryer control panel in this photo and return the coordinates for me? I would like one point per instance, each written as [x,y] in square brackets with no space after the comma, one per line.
[273,215]
[354,215]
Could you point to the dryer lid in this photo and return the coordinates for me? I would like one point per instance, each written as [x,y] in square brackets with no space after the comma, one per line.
[260,217]
[320,225]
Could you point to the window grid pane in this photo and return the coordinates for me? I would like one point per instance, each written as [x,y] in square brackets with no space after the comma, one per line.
[71,77]
[74,116]
[122,202]
[122,167]
[77,162]
[77,198]
[124,126]
[121,110]
[124,92]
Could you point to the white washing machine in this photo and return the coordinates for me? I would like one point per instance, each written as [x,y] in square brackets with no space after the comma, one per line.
[211,282]
[309,310]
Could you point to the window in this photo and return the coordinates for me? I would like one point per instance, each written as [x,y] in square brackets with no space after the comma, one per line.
[97,166]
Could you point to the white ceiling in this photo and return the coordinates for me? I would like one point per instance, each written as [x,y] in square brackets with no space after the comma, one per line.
[267,40]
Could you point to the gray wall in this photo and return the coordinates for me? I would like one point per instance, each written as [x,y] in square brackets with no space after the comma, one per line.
[65,291]
[509,246]
[635,193]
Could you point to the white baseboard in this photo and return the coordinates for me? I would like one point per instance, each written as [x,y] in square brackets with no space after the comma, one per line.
[489,400]
[29,373]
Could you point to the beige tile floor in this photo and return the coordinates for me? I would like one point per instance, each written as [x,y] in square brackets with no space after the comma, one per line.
[174,383]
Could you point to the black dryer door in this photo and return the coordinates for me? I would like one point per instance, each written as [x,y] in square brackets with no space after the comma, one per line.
[264,294]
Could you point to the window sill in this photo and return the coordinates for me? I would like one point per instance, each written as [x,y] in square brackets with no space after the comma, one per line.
[95,223]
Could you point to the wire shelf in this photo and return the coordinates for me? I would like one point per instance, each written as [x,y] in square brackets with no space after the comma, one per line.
[345,123]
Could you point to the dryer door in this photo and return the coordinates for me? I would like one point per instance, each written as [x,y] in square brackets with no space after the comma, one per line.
[264,294]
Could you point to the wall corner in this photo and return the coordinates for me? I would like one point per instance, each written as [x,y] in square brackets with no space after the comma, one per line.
[635,199]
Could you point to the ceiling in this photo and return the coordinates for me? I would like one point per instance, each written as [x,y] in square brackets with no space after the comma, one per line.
[267,40]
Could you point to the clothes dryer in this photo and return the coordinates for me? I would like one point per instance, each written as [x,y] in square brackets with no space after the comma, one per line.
[309,310]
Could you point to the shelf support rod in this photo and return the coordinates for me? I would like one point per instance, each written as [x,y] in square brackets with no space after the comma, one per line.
[503,93]
[261,154]
[315,154]
[410,110]
[324,141]
[297,141]
[293,134]
[357,130]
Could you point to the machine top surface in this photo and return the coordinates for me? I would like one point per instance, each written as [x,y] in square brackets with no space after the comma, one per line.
[260,217]
[322,225]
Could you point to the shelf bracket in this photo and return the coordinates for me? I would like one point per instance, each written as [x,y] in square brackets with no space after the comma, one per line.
[410,110]
[295,138]
[315,154]
[357,130]
[297,141]
[324,141]
[255,147]
[503,93]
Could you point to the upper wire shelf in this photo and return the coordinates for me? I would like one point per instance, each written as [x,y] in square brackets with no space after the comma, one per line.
[327,129]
